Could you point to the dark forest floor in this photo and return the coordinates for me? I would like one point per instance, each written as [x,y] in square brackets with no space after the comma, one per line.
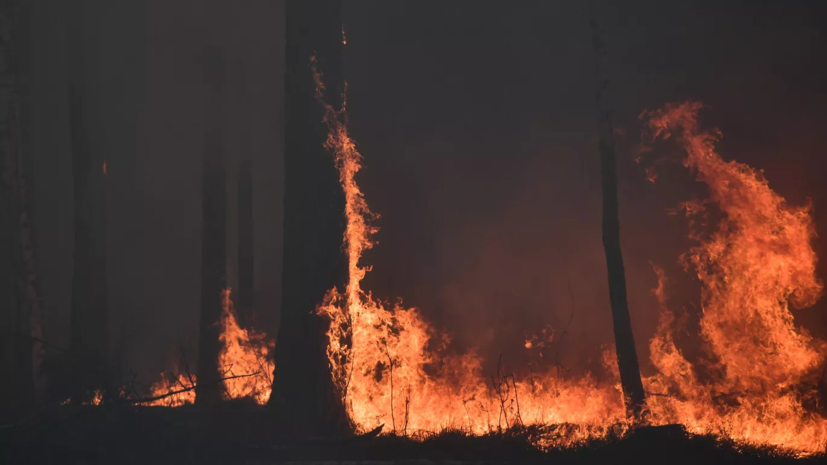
[242,434]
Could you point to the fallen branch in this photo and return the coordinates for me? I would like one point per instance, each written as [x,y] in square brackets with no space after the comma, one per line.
[144,400]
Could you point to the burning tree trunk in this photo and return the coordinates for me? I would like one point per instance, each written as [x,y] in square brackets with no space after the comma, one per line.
[213,235]
[315,262]
[89,340]
[624,339]
[20,351]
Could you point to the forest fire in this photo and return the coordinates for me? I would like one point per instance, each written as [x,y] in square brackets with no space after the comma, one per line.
[222,295]
[393,368]
[754,265]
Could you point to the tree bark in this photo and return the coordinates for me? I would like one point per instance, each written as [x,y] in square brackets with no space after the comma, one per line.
[89,328]
[213,233]
[304,395]
[624,339]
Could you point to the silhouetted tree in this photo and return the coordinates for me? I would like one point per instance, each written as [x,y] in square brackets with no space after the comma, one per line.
[246,284]
[213,232]
[20,349]
[624,339]
[89,332]
[314,261]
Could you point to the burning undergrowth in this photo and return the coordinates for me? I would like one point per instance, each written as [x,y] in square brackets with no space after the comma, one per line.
[393,368]
[753,265]
[754,383]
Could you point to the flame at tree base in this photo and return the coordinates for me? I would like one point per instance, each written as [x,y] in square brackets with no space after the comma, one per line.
[244,360]
[392,367]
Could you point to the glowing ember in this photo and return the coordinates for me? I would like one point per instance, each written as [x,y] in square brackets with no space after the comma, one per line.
[756,265]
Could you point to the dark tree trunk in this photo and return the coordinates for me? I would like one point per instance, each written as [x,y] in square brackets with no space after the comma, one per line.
[89,338]
[246,285]
[213,234]
[304,395]
[20,350]
[624,339]
[10,409]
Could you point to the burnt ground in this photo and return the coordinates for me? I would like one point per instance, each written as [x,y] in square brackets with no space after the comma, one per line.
[243,434]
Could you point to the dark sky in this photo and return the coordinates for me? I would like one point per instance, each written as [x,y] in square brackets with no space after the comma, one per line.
[476,120]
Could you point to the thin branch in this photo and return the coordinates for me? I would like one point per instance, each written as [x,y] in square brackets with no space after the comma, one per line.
[566,328]
[407,410]
[180,391]
[517,400]
[497,381]
[390,364]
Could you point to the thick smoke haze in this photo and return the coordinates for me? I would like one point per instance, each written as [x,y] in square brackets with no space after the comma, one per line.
[477,124]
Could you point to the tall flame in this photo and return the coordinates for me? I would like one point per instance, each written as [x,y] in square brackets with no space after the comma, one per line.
[244,360]
[753,268]
[393,368]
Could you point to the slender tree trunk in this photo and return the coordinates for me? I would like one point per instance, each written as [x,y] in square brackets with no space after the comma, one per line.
[246,285]
[624,339]
[20,350]
[213,234]
[29,333]
[89,331]
[10,408]
[314,261]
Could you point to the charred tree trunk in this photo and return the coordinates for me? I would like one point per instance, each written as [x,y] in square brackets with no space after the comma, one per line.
[20,350]
[213,235]
[624,339]
[89,332]
[246,284]
[304,395]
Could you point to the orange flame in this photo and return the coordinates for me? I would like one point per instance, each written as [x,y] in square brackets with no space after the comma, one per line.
[244,360]
[394,368]
[756,266]
[173,391]
[244,353]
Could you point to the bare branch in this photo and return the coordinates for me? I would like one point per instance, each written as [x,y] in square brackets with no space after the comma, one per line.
[187,389]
